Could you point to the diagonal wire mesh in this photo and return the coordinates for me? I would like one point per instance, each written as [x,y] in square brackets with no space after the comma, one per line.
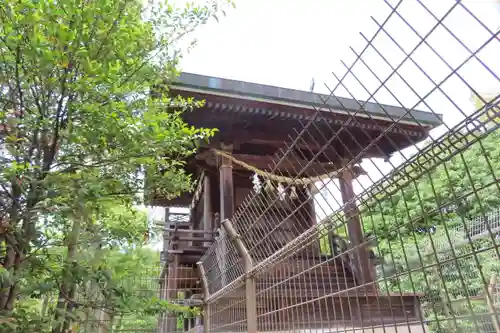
[222,264]
[400,233]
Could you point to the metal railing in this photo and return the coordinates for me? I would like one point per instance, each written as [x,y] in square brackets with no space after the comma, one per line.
[432,221]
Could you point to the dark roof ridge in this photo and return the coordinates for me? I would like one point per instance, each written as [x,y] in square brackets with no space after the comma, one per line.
[306,99]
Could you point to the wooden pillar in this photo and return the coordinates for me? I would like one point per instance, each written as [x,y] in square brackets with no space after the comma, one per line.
[190,235]
[171,317]
[166,226]
[164,281]
[192,322]
[216,223]
[311,211]
[360,255]
[309,214]
[192,226]
[226,206]
[226,185]
[166,245]
[305,217]
[207,210]
[187,319]
[163,296]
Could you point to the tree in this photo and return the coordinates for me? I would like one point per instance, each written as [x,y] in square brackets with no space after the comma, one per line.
[80,127]
[113,284]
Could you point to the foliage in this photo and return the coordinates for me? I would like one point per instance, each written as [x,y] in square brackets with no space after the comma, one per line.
[79,128]
[418,217]
[419,234]
[124,283]
[447,269]
[461,187]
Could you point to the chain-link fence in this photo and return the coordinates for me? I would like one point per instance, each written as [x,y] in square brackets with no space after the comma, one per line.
[361,249]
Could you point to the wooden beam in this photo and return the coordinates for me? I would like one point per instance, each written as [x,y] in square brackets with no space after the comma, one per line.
[207,209]
[181,201]
[290,165]
[347,143]
[268,137]
[177,224]
[182,239]
[188,231]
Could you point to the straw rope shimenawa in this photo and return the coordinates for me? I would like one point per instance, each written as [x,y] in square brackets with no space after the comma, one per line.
[356,169]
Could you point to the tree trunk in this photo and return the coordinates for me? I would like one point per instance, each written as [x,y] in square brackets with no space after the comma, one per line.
[8,264]
[92,315]
[70,307]
[68,287]
[8,289]
[89,312]
[104,322]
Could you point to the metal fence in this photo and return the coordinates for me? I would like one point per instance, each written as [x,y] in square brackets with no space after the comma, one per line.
[137,289]
[411,250]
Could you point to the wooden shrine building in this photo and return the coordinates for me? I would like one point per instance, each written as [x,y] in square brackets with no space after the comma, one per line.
[254,121]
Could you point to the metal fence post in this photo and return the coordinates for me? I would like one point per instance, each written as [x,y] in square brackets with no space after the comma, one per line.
[250,288]
[206,296]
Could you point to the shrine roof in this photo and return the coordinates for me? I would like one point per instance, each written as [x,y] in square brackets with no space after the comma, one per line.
[258,120]
[207,85]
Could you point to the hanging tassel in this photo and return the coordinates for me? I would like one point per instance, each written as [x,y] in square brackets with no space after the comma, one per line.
[281,192]
[257,184]
[293,193]
[308,192]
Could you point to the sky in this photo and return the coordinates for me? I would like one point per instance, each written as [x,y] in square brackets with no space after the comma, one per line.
[286,43]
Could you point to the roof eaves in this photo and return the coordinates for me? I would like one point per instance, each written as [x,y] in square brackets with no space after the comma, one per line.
[304,99]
